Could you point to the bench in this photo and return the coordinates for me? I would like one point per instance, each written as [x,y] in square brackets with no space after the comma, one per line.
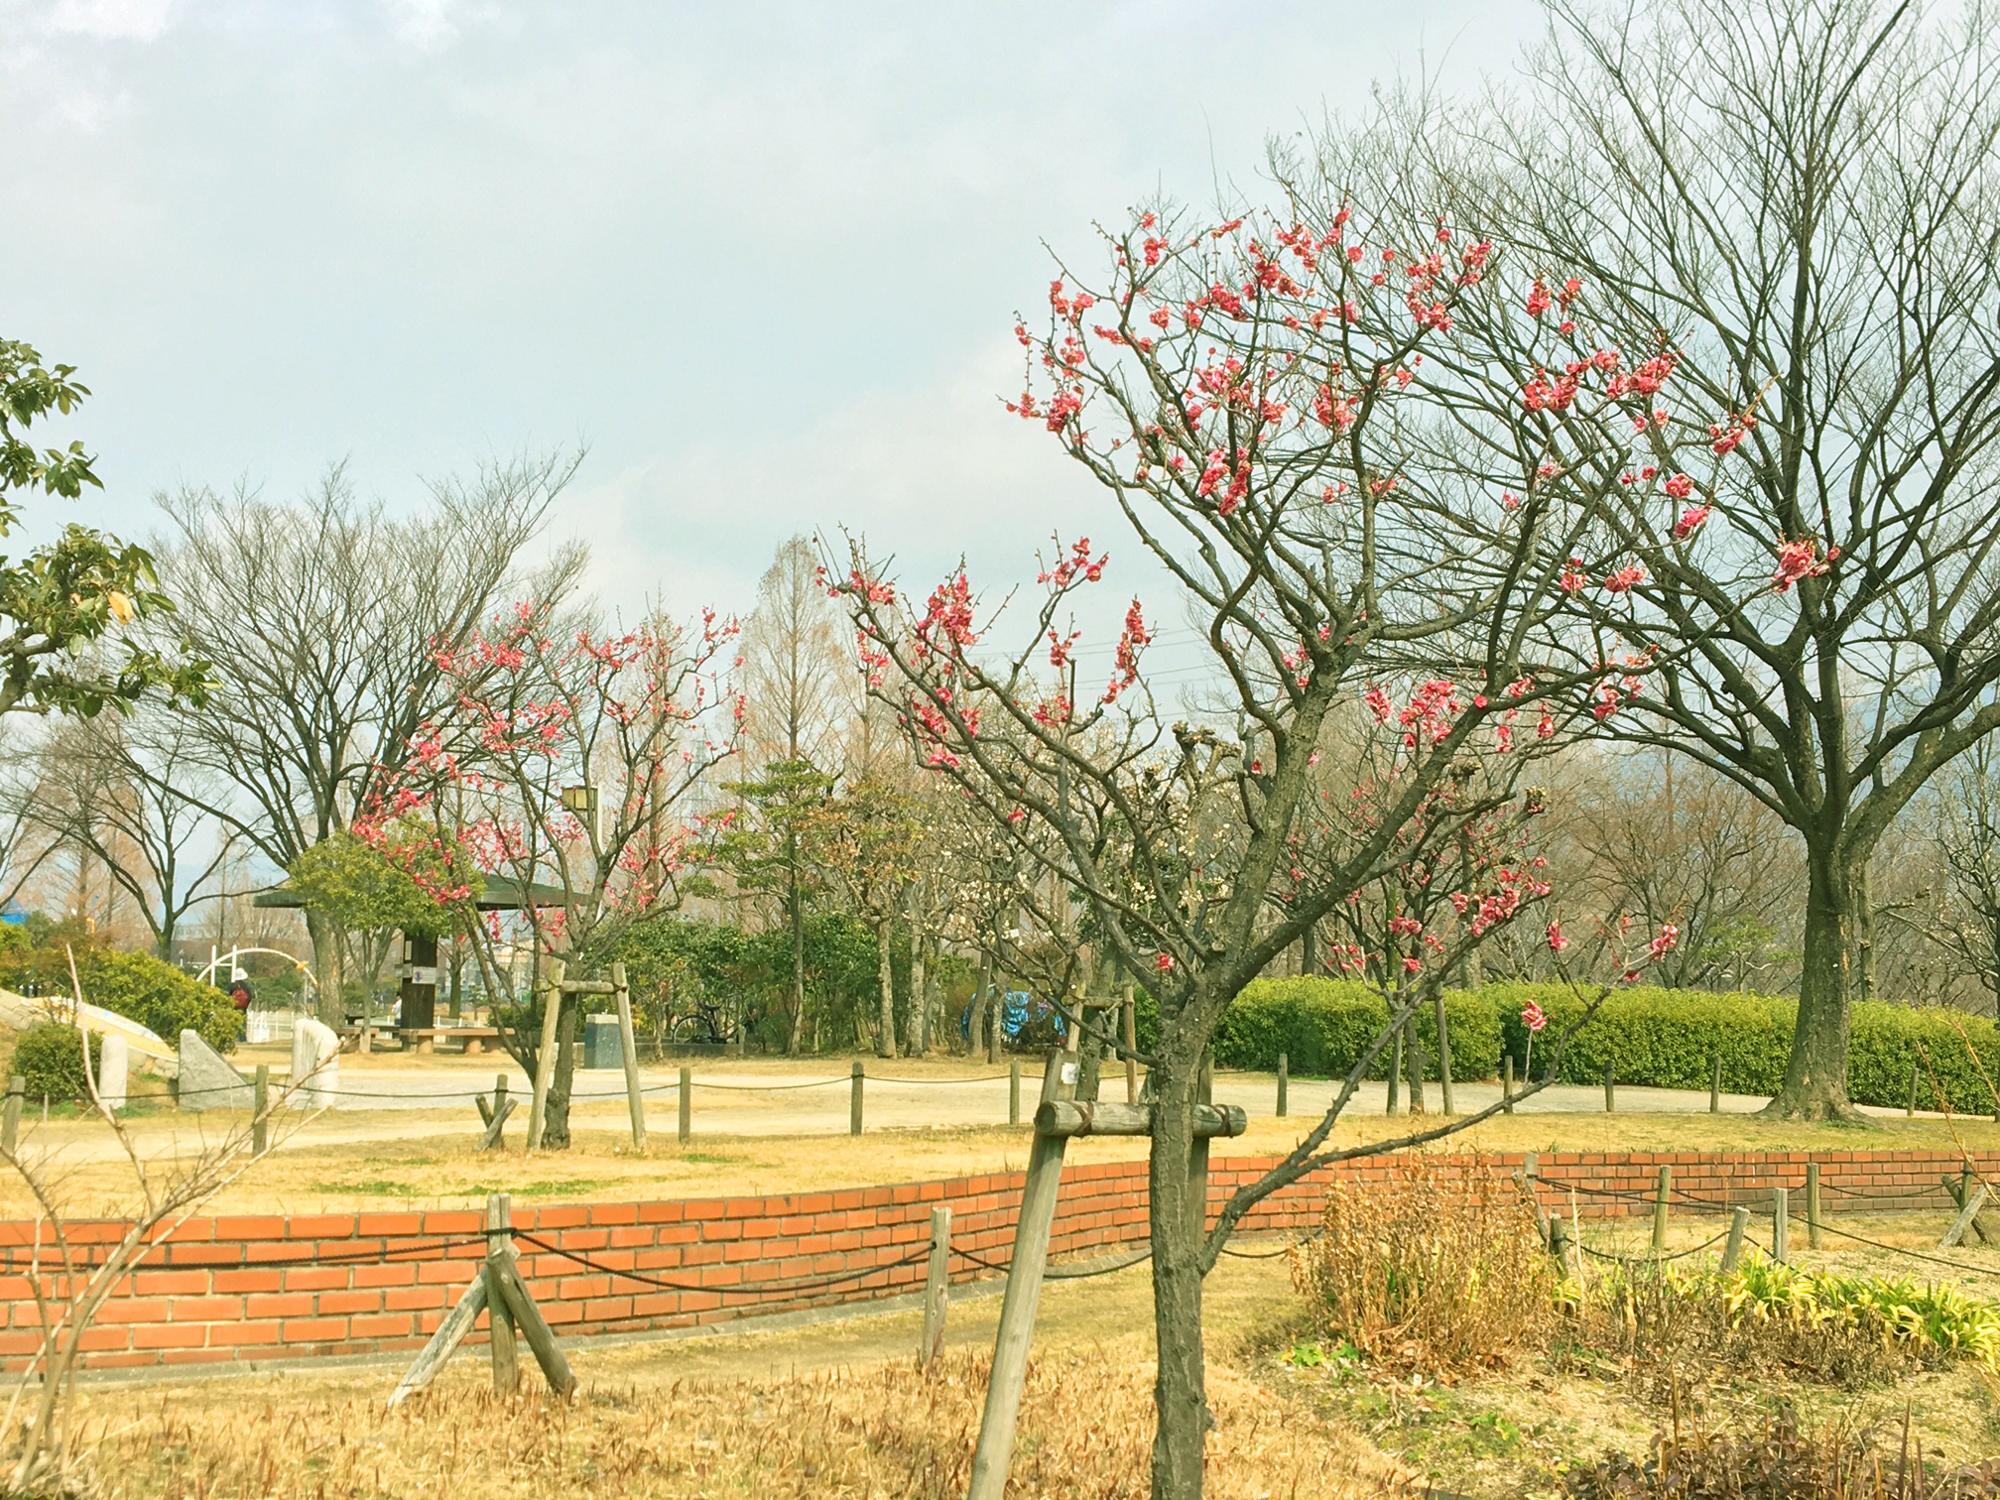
[420,1038]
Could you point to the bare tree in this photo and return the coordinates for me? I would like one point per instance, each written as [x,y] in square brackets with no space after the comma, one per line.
[1765,236]
[799,683]
[323,622]
[125,796]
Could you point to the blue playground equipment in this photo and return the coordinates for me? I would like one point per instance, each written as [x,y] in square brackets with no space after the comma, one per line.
[1018,1011]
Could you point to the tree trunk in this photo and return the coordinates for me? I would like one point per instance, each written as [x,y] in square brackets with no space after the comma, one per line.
[1180,1396]
[885,1034]
[555,1118]
[1815,1084]
[920,999]
[975,1031]
[1864,934]
[328,1003]
[795,915]
[1309,950]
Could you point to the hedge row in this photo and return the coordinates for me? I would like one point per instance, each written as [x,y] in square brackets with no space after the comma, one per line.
[1646,1035]
[156,995]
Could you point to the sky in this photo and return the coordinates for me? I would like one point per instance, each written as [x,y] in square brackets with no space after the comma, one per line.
[760,260]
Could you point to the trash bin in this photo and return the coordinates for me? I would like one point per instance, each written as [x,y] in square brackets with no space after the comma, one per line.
[600,1043]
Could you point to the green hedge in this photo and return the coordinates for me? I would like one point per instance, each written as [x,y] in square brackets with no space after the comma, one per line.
[156,995]
[1323,1025]
[1648,1036]
[48,1058]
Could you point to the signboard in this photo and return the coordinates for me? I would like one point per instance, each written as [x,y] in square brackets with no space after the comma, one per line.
[424,974]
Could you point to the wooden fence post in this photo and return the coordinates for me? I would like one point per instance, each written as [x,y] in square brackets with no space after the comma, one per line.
[1507,1083]
[1910,1109]
[1781,1224]
[1013,1091]
[260,1111]
[1967,1216]
[1610,1089]
[1036,1217]
[496,1114]
[545,1059]
[854,1100]
[1812,1205]
[1444,1057]
[1661,1194]
[937,1282]
[1715,1086]
[1739,1224]
[628,1044]
[686,1104]
[499,1320]
[1284,1083]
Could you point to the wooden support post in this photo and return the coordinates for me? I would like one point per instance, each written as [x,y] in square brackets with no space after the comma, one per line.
[994,1015]
[1284,1084]
[534,1328]
[1715,1086]
[1812,1205]
[1911,1108]
[545,1059]
[1966,1217]
[1444,1057]
[1739,1225]
[260,1111]
[1395,1099]
[1563,1246]
[1531,1165]
[854,1100]
[10,1115]
[1961,1191]
[1507,1083]
[1610,1089]
[1074,1117]
[496,1114]
[937,1282]
[1132,1049]
[1661,1194]
[499,1321]
[685,1091]
[1781,1224]
[995,1452]
[450,1333]
[1013,1091]
[621,992]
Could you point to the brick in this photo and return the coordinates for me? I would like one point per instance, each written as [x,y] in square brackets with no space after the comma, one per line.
[262,1280]
[280,1305]
[314,1330]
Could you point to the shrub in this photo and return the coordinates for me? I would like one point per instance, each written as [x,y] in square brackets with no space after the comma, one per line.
[1429,1271]
[156,995]
[48,1057]
[1776,1457]
[1323,1025]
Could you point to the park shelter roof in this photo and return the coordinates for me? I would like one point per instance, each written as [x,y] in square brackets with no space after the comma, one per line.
[498,893]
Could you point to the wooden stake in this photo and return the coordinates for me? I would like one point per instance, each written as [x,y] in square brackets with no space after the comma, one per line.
[456,1325]
[545,1060]
[854,1100]
[1013,1091]
[534,1328]
[937,1283]
[995,1452]
[1610,1090]
[1507,1083]
[1444,1056]
[686,1102]
[260,1111]
[496,1114]
[1660,1196]
[1715,1086]
[1966,1216]
[1284,1083]
[1732,1250]
[499,1321]
[1781,1224]
[622,993]
[1812,1205]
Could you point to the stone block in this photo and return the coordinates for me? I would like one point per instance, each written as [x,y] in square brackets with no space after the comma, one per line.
[207,1081]
[114,1069]
[315,1065]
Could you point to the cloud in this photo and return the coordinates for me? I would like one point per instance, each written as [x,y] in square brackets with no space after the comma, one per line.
[112,20]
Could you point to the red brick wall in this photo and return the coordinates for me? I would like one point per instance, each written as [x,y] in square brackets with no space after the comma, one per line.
[253,1288]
